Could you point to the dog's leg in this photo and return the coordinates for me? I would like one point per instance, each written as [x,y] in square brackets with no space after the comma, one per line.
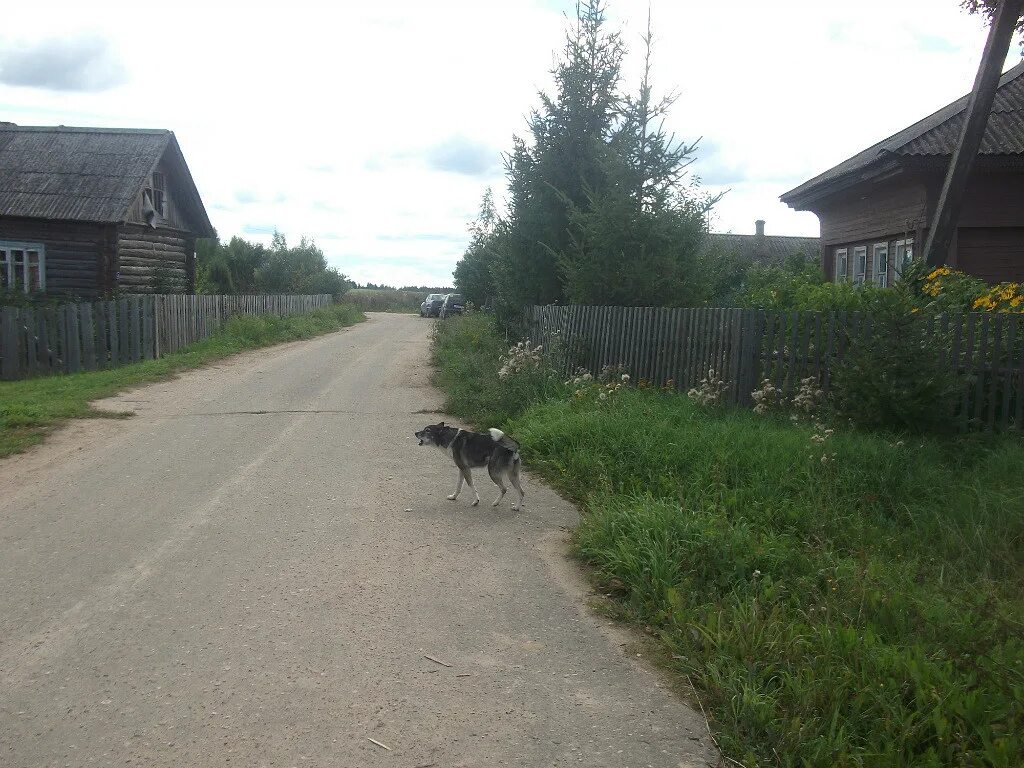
[458,488]
[513,476]
[497,479]
[469,481]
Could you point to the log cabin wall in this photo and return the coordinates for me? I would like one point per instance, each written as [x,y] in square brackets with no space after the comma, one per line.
[76,253]
[155,260]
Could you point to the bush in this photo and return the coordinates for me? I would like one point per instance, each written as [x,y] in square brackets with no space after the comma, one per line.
[892,378]
[470,352]
[801,285]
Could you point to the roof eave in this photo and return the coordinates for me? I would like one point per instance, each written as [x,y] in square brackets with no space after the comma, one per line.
[804,197]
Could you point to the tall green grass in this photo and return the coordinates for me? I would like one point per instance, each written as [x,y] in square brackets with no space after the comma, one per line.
[865,610]
[29,408]
[385,300]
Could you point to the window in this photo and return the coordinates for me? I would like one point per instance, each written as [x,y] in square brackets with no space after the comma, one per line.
[156,191]
[903,256]
[880,267]
[842,270]
[22,267]
[860,264]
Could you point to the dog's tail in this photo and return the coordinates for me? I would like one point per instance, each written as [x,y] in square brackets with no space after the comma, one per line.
[505,441]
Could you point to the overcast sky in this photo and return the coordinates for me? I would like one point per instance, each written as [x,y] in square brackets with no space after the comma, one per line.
[375,128]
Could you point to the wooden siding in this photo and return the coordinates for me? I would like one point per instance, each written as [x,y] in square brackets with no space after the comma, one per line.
[154,260]
[987,244]
[993,199]
[74,252]
[995,254]
[875,213]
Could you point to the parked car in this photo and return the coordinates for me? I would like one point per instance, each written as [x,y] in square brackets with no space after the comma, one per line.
[431,306]
[453,304]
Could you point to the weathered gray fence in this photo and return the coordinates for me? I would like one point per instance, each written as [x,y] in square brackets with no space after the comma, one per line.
[104,334]
[676,347]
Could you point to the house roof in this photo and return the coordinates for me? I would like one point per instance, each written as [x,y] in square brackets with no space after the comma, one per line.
[768,249]
[86,174]
[936,136]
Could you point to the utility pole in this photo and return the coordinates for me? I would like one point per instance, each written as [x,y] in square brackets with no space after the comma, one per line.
[947,212]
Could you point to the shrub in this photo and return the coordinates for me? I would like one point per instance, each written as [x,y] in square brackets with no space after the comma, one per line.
[801,285]
[892,378]
[470,352]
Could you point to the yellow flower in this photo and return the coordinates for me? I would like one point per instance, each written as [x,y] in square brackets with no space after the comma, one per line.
[1016,301]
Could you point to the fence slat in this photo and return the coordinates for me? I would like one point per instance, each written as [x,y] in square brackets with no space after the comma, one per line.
[88,337]
[10,367]
[995,360]
[1011,338]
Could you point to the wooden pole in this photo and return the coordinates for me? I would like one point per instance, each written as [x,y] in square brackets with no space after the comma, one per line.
[947,212]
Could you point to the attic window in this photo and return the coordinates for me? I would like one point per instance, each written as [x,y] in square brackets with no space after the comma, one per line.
[22,267]
[157,193]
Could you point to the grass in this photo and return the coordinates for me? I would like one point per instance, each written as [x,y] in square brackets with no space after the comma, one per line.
[385,300]
[864,610]
[30,408]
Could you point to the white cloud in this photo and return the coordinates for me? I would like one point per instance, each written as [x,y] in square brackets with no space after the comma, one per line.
[77,64]
[370,128]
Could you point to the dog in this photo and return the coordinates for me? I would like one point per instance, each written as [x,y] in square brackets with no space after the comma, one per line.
[495,450]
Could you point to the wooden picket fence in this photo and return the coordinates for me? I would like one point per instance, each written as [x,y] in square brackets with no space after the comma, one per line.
[95,335]
[677,347]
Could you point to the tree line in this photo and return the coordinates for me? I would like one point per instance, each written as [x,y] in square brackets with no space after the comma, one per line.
[243,267]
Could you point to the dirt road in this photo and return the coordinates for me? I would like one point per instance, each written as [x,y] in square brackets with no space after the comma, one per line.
[253,570]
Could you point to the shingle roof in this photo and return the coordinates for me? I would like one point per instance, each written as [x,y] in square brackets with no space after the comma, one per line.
[774,249]
[82,174]
[937,134]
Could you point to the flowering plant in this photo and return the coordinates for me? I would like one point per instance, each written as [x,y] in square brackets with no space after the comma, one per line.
[709,391]
[519,358]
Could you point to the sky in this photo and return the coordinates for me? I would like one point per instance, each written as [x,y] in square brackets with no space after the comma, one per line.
[375,128]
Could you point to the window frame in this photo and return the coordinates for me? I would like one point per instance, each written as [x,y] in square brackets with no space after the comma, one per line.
[844,255]
[860,264]
[901,261]
[7,265]
[878,276]
[158,195]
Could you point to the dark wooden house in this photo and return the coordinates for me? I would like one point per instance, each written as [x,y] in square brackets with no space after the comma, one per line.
[94,211]
[875,208]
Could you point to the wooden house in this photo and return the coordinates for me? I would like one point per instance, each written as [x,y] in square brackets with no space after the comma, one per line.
[95,211]
[875,207]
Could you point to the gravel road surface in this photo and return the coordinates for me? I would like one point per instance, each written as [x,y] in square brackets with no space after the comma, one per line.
[260,568]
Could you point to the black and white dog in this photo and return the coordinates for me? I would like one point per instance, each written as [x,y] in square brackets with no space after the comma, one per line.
[496,451]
